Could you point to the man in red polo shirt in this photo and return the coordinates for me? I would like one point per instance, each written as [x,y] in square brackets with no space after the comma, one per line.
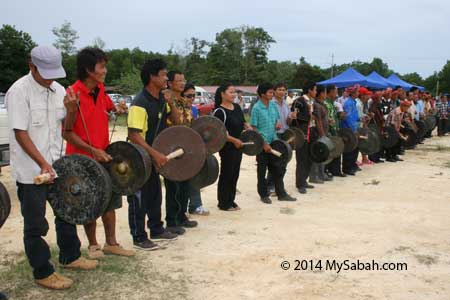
[86,132]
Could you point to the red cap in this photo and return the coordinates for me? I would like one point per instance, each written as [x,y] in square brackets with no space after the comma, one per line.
[364,91]
[405,103]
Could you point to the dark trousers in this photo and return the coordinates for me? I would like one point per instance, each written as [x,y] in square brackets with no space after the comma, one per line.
[230,166]
[177,196]
[334,167]
[267,163]
[33,200]
[394,151]
[442,126]
[270,183]
[376,156]
[303,165]
[146,202]
[349,161]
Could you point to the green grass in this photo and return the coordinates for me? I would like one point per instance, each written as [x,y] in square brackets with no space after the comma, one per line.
[115,278]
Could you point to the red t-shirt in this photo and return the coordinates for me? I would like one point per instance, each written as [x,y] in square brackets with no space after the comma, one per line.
[95,117]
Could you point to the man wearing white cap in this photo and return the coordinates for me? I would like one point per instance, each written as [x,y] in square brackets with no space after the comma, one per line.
[35,105]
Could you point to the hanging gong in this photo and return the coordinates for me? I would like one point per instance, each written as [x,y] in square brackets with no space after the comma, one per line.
[208,174]
[212,131]
[338,146]
[193,155]
[130,167]
[321,149]
[82,191]
[389,137]
[349,138]
[253,142]
[284,148]
[5,204]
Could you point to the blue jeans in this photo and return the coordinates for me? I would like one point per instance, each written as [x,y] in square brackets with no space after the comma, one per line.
[195,199]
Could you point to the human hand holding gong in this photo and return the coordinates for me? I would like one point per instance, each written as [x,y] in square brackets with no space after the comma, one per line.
[121,107]
[71,100]
[100,155]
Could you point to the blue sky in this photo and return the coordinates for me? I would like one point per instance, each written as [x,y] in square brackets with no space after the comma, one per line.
[411,36]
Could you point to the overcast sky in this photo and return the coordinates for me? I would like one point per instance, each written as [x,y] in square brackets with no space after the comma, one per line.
[411,36]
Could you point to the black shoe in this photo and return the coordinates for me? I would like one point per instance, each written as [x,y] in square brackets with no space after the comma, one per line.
[391,160]
[357,169]
[145,245]
[266,200]
[189,223]
[309,186]
[339,175]
[165,235]
[176,229]
[286,197]
[301,190]
[378,161]
[316,181]
[351,173]
[327,178]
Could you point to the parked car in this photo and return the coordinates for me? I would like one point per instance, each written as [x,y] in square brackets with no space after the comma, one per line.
[4,133]
[247,102]
[205,105]
[115,97]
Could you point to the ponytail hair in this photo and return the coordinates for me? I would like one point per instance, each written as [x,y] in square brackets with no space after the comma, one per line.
[218,95]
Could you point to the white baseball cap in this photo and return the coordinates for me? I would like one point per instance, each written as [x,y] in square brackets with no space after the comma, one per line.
[48,61]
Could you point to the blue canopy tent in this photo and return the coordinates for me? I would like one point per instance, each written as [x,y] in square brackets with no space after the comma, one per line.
[378,78]
[395,80]
[351,77]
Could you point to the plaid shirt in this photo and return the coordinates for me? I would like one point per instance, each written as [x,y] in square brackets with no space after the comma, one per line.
[395,118]
[442,108]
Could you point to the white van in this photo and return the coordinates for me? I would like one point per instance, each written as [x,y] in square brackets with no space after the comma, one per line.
[4,133]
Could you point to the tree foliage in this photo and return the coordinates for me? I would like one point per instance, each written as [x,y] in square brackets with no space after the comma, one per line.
[15,47]
[237,55]
[66,37]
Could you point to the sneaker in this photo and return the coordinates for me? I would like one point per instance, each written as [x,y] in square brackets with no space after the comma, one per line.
[287,197]
[165,235]
[201,211]
[145,245]
[55,282]
[176,229]
[266,200]
[117,250]
[95,252]
[189,223]
[82,264]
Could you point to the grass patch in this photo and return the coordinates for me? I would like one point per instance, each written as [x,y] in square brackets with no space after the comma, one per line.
[115,278]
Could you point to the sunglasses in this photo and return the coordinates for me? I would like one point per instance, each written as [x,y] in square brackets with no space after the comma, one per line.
[189,96]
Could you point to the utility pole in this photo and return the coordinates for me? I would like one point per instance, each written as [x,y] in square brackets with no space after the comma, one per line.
[332,65]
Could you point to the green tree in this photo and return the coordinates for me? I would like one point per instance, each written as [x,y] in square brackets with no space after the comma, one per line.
[66,37]
[412,78]
[256,42]
[306,73]
[444,78]
[15,47]
[225,57]
[380,67]
[130,82]
[99,43]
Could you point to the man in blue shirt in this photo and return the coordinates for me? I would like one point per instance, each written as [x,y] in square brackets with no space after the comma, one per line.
[265,119]
[351,121]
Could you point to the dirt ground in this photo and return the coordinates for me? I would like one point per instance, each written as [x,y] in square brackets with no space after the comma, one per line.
[392,212]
